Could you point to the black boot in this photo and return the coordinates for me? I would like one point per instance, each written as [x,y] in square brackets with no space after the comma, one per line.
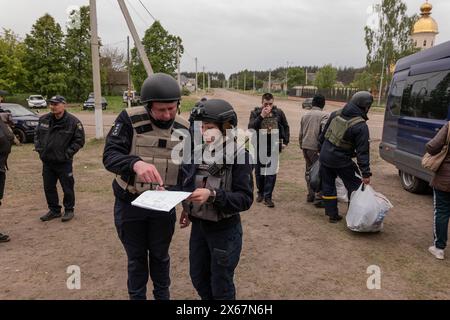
[50,216]
[4,238]
[268,202]
[68,215]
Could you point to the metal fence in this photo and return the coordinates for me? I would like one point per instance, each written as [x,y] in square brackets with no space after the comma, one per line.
[334,94]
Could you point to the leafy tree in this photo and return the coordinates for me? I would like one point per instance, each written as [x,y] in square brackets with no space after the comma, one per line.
[296,77]
[326,77]
[78,56]
[161,48]
[12,70]
[388,39]
[363,81]
[44,58]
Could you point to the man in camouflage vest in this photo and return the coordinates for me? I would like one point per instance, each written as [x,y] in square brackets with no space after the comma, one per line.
[264,120]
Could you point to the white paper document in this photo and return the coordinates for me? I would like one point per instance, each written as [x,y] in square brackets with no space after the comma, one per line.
[160,200]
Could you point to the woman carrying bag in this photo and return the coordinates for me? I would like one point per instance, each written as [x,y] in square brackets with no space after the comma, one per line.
[438,155]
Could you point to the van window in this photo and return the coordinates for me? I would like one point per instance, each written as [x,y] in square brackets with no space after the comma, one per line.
[413,97]
[396,97]
[428,98]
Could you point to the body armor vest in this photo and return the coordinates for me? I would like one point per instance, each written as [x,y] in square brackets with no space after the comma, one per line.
[205,179]
[153,145]
[269,123]
[337,129]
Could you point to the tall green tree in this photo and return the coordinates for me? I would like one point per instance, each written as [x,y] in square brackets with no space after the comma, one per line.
[363,81]
[388,38]
[44,59]
[296,77]
[78,55]
[161,48]
[326,77]
[12,70]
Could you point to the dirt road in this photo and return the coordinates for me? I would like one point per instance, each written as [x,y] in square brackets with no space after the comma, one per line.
[289,252]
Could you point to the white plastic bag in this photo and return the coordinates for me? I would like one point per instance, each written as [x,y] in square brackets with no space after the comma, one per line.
[367,210]
[342,194]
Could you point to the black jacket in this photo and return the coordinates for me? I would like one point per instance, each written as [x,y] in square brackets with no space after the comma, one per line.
[334,157]
[283,126]
[57,141]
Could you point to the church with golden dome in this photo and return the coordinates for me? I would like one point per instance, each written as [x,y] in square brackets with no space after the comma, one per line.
[425,29]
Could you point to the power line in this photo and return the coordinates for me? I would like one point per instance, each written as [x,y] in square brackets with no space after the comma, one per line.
[137,13]
[147,10]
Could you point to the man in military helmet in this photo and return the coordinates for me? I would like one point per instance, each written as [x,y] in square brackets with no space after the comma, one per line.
[268,117]
[138,150]
[345,136]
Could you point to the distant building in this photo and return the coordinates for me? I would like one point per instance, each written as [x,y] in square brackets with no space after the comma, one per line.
[275,85]
[425,29]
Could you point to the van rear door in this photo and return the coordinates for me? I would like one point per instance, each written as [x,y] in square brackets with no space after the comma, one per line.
[424,110]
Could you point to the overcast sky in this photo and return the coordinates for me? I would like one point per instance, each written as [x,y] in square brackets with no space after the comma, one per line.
[231,35]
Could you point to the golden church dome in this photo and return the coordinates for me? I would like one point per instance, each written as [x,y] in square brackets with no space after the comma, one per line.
[426,23]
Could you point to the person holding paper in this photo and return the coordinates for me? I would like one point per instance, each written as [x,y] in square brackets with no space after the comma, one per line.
[138,150]
[222,187]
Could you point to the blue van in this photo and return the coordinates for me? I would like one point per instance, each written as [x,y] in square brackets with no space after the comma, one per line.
[417,107]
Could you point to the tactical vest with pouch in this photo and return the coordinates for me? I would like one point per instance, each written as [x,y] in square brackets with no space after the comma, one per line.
[211,177]
[153,145]
[337,129]
[269,123]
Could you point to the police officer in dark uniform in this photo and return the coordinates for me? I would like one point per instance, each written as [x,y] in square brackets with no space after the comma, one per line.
[59,136]
[345,136]
[6,140]
[268,117]
[222,188]
[138,150]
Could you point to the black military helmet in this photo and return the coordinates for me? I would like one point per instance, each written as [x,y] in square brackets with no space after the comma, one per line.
[363,99]
[160,87]
[215,110]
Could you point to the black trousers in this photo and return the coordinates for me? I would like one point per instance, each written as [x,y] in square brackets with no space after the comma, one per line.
[328,175]
[2,183]
[264,183]
[51,173]
[146,243]
[213,257]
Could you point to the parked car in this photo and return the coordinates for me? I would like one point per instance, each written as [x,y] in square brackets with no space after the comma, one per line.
[25,121]
[36,101]
[134,97]
[89,104]
[307,103]
[417,107]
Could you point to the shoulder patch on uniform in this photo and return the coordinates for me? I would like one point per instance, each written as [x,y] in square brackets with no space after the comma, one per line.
[79,126]
[116,129]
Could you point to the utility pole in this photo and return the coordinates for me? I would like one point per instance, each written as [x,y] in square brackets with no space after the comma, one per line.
[245,81]
[134,34]
[129,77]
[306,76]
[237,81]
[287,68]
[254,81]
[178,62]
[203,78]
[196,76]
[270,80]
[96,70]
[381,80]
[209,81]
